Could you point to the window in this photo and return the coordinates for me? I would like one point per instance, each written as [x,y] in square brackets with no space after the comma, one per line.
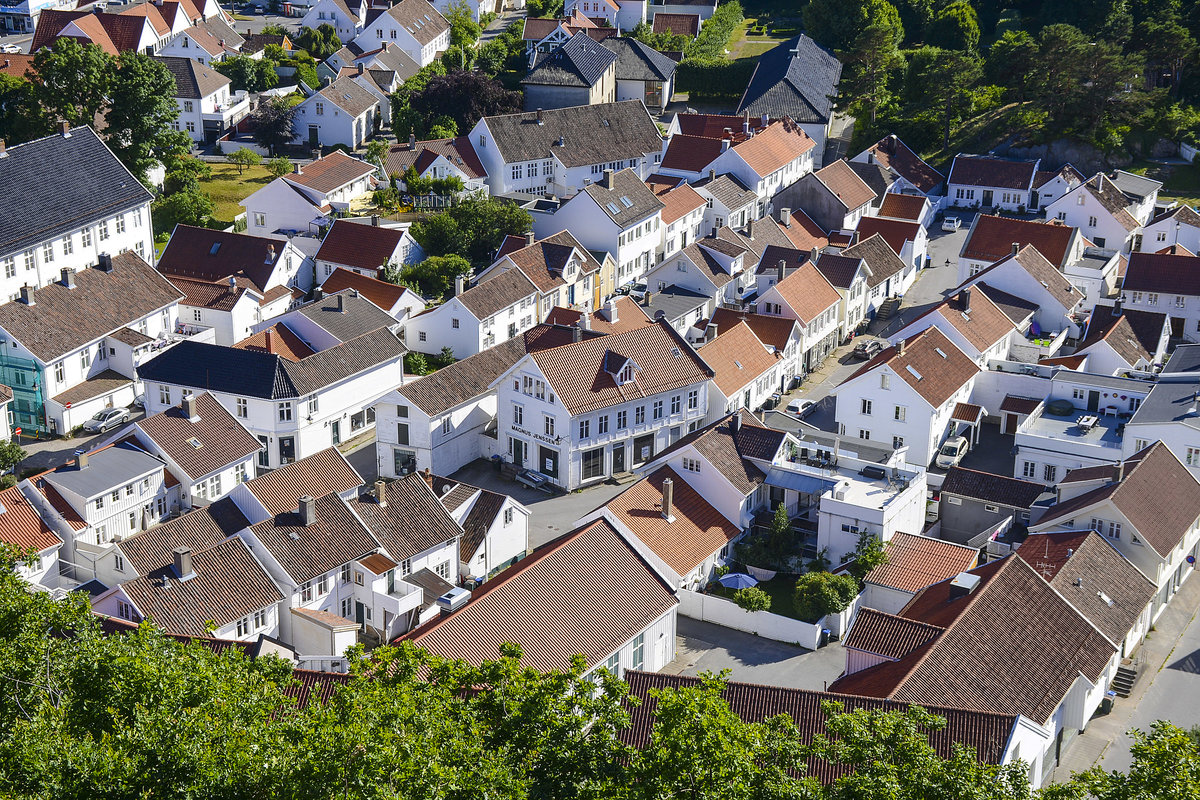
[1050,473]
[622,420]
[48,252]
[405,567]
[100,531]
[866,407]
[118,562]
[60,372]
[613,664]
[1114,530]
[260,219]
[517,170]
[518,414]
[693,399]
[639,651]
[658,409]
[883,380]
[1193,457]
[900,413]
[548,424]
[358,578]
[10,267]
[243,409]
[347,607]
[312,404]
[593,463]
[1137,297]
[164,395]
[103,229]
[1091,220]
[1152,298]
[240,473]
[443,569]
[585,428]
[85,359]
[29,260]
[447,425]
[675,404]
[68,245]
[120,226]
[454,323]
[639,415]
[320,108]
[691,464]
[864,434]
[306,592]
[602,424]
[85,237]
[260,618]
[1180,302]
[508,516]
[116,496]
[1078,394]
[897,442]
[129,490]
[125,611]
[285,412]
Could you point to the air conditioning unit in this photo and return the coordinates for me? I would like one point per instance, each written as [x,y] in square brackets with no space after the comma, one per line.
[453,600]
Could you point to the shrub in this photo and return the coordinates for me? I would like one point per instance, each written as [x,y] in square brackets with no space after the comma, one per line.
[822,593]
[752,598]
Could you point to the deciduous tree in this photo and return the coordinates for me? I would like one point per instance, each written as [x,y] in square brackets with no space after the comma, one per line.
[73,80]
[273,122]
[320,42]
[141,113]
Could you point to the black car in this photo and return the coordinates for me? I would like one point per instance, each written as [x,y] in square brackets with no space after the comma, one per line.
[868,349]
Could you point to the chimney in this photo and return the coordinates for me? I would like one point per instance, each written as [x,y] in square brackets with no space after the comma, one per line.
[428,475]
[765,120]
[964,298]
[270,339]
[182,558]
[189,408]
[221,42]
[539,116]
[412,140]
[585,321]
[647,297]
[735,422]
[339,303]
[710,331]
[746,125]
[374,220]
[813,255]
[316,154]
[1016,248]
[361,68]
[307,511]
[270,254]
[781,268]
[68,277]
[900,347]
[64,129]
[607,181]
[318,293]
[668,493]
[28,295]
[660,315]
[728,133]
[529,238]
[1121,468]
[232,282]
[870,157]
[576,335]
[381,493]
[785,217]
[712,175]
[3,152]
[460,284]
[610,309]
[724,145]
[297,169]
[81,461]
[1116,309]
[104,262]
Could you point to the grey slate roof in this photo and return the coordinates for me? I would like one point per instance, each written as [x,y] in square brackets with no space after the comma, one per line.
[626,200]
[580,61]
[349,96]
[1169,402]
[637,61]
[879,178]
[588,134]
[358,315]
[727,190]
[57,185]
[674,302]
[797,78]
[193,80]
[269,376]
[110,468]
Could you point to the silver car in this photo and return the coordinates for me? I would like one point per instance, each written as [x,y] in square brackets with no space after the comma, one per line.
[106,419]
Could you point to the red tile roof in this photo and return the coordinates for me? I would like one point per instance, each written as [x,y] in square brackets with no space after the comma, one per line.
[381,293]
[775,146]
[203,254]
[360,246]
[895,232]
[1167,274]
[915,562]
[330,173]
[277,339]
[902,206]
[677,24]
[629,316]
[712,126]
[316,476]
[843,182]
[200,446]
[458,151]
[595,594]
[695,531]
[738,358]
[1001,173]
[894,154]
[991,239]
[808,292]
[690,153]
[21,525]
[935,375]
[679,202]
[888,635]
[773,331]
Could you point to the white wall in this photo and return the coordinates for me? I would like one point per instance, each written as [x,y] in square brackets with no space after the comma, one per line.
[719,611]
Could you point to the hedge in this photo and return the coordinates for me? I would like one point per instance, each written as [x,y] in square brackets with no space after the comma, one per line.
[716,79]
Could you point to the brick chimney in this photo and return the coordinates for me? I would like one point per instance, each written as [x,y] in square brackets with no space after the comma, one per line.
[307,511]
[428,475]
[269,340]
[381,493]
[28,295]
[668,498]
[189,408]
[182,562]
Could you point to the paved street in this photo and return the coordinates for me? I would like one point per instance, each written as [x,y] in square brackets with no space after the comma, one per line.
[704,647]
[50,453]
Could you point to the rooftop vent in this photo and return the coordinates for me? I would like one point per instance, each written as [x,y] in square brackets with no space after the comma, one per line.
[453,600]
[963,584]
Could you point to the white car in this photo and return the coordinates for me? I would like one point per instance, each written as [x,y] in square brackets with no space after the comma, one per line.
[801,408]
[951,224]
[952,452]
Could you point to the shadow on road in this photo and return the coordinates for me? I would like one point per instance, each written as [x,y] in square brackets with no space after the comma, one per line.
[1189,663]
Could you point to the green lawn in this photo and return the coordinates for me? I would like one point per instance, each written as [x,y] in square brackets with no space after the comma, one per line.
[781,590]
[227,189]
[1180,182]
[744,44]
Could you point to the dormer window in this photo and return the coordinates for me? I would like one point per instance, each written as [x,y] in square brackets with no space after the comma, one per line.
[626,373]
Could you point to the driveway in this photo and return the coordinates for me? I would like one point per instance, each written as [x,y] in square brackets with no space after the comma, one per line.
[704,647]
[933,284]
[47,454]
[498,25]
[550,515]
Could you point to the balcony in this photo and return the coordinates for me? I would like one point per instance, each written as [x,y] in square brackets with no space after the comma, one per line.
[1077,432]
[229,112]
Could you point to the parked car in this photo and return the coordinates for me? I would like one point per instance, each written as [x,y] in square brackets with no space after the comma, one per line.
[952,452]
[106,419]
[140,401]
[10,48]
[801,408]
[867,350]
[951,224]
[638,291]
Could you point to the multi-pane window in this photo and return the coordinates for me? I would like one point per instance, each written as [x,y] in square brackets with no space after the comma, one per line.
[103,229]
[60,372]
[639,415]
[120,224]
[658,409]
[602,424]
[312,404]
[164,395]
[866,407]
[639,651]
[285,412]
[508,516]
[1050,473]
[693,399]
[1193,457]
[585,428]
[48,252]
[675,403]
[548,424]
[243,408]
[900,413]
[691,464]
[10,267]
[68,245]
[622,420]
[518,415]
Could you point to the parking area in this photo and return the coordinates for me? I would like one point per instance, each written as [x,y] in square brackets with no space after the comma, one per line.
[704,647]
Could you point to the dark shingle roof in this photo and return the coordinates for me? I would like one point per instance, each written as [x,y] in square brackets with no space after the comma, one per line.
[798,78]
[639,62]
[348,319]
[200,529]
[413,520]
[335,537]
[579,61]
[360,246]
[204,445]
[63,319]
[57,185]
[193,80]
[497,293]
[991,488]
[211,255]
[590,134]
[626,200]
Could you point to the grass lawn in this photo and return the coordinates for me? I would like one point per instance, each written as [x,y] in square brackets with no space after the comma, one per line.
[1181,182]
[744,44]
[227,189]
[781,591]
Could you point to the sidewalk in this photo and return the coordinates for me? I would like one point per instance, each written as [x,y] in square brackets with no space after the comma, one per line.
[1089,747]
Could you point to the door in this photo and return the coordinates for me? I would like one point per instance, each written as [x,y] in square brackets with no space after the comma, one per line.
[1010,423]
[548,462]
[518,451]
[618,459]
[987,197]
[643,448]
[335,431]
[360,613]
[1093,400]
[314,135]
[287,449]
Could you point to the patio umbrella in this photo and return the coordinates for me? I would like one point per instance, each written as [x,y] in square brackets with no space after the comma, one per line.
[737,580]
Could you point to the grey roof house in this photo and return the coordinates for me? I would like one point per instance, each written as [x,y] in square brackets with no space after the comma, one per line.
[642,72]
[578,72]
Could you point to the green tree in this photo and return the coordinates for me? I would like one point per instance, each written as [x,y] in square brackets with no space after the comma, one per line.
[464,29]
[752,598]
[320,42]
[276,30]
[141,111]
[701,750]
[74,80]
[1167,46]
[11,454]
[376,150]
[248,74]
[464,97]
[1012,62]
[821,593]
[280,166]
[492,58]
[22,117]
[1166,766]
[272,124]
[949,77]
[955,27]
[716,32]
[836,23]
[185,207]
[914,16]
[432,278]
[242,158]
[870,64]
[868,554]
[472,229]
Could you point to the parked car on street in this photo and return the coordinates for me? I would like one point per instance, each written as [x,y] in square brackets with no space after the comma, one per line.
[868,349]
[801,408]
[106,419]
[10,48]
[952,452]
